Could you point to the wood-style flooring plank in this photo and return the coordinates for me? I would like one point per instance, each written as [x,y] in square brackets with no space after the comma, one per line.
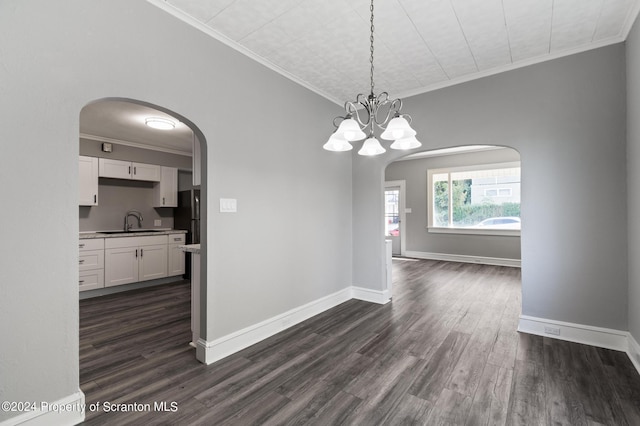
[444,351]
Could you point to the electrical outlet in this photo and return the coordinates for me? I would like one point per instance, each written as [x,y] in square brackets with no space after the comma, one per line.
[157,222]
[552,330]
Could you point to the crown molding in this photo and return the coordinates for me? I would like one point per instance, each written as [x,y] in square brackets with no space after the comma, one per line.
[135,144]
[620,38]
[172,10]
[509,67]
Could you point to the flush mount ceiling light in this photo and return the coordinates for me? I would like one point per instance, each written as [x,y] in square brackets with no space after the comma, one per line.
[369,112]
[160,123]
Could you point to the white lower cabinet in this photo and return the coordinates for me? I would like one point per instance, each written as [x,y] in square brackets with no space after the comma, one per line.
[176,256]
[91,264]
[133,259]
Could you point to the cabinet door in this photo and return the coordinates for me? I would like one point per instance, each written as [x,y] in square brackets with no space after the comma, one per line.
[148,172]
[121,266]
[166,192]
[115,168]
[88,181]
[90,280]
[153,262]
[176,260]
[91,259]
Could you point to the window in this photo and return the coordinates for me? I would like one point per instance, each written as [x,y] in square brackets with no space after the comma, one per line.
[481,199]
[391,213]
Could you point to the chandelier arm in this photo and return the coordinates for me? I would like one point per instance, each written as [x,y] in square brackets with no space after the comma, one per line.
[373,106]
[336,118]
[354,112]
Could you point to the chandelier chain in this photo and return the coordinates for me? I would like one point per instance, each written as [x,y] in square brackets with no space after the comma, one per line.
[371,48]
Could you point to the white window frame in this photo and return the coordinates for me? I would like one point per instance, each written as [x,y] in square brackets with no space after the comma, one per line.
[469,231]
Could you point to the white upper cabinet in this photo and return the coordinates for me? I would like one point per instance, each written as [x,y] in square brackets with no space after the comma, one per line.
[88,181]
[166,192]
[115,168]
[129,170]
[149,172]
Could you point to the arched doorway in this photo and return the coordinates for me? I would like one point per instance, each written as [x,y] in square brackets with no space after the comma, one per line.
[116,129]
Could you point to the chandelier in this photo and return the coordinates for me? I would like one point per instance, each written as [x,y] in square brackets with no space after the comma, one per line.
[368,113]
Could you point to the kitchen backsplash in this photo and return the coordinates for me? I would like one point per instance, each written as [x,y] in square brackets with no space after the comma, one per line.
[116,197]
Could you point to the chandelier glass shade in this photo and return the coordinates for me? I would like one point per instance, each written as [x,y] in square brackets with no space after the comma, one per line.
[368,114]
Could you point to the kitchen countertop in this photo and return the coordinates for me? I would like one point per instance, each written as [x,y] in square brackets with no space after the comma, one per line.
[98,234]
[191,248]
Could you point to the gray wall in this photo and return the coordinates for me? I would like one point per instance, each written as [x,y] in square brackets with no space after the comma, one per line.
[118,196]
[272,256]
[414,172]
[633,175]
[566,118]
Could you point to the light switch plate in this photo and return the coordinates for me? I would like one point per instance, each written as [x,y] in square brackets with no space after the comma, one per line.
[157,222]
[228,205]
[407,210]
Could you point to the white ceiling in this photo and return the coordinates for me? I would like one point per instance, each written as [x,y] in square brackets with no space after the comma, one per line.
[420,45]
[123,122]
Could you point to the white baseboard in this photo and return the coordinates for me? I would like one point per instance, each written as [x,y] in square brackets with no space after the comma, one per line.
[577,333]
[634,352]
[588,335]
[499,261]
[368,295]
[212,351]
[65,411]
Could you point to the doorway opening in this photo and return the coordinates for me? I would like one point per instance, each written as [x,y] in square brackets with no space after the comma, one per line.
[114,131]
[457,204]
[394,215]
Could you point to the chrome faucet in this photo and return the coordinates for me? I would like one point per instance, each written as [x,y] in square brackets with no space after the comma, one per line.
[137,215]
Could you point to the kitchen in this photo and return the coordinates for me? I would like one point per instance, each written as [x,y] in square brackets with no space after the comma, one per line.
[138,205]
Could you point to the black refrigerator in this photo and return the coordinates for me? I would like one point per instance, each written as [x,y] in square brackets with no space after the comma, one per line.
[187,216]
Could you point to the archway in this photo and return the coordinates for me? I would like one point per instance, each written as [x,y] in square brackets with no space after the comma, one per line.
[462,204]
[129,115]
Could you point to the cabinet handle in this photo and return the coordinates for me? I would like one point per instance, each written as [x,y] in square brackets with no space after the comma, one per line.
[177,239]
[129,169]
[81,261]
[95,198]
[134,170]
[136,253]
[81,245]
[141,252]
[81,281]
[163,201]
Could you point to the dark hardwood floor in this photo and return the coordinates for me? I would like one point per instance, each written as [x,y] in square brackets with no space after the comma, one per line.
[445,351]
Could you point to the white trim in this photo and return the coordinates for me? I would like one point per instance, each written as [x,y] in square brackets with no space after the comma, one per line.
[474,231]
[374,296]
[450,151]
[513,66]
[577,333]
[484,260]
[69,410]
[209,352]
[212,351]
[172,10]
[584,334]
[134,144]
[402,210]
[634,352]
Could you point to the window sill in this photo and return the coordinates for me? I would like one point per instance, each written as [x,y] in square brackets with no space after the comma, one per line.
[474,231]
